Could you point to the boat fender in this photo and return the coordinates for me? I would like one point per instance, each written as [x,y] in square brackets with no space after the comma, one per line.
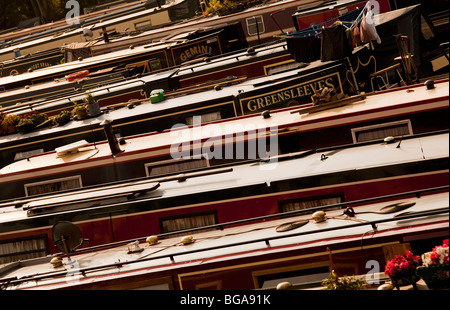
[284,285]
[56,261]
[389,139]
[319,216]
[77,76]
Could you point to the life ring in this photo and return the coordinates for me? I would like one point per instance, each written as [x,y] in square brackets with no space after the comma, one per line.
[77,75]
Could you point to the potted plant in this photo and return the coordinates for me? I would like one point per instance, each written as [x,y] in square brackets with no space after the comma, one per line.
[62,119]
[92,105]
[37,118]
[25,125]
[402,269]
[80,111]
[9,123]
[336,283]
[435,268]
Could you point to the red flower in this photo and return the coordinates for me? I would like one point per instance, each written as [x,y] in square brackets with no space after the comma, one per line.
[402,263]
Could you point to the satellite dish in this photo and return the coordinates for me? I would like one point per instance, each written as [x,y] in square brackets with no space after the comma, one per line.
[66,237]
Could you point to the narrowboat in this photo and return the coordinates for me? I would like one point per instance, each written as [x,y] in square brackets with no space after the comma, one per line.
[92,15]
[151,57]
[192,188]
[395,112]
[300,251]
[262,60]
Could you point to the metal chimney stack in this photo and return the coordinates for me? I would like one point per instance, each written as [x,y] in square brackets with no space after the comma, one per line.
[112,141]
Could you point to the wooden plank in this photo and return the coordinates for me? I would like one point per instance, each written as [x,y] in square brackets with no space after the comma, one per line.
[331,105]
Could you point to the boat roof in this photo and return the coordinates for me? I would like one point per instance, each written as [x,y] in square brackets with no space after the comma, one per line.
[302,165]
[185,71]
[251,240]
[402,100]
[98,25]
[58,70]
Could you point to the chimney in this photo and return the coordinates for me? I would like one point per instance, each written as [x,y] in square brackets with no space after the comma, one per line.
[112,141]
[105,34]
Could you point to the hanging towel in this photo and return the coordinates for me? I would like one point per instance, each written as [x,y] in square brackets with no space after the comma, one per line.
[337,42]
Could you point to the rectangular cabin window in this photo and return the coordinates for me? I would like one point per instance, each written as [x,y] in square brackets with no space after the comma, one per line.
[308,203]
[51,186]
[255,25]
[27,154]
[203,118]
[175,165]
[381,131]
[188,221]
[24,248]
[155,64]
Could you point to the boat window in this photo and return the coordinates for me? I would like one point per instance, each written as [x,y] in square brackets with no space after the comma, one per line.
[188,221]
[27,154]
[175,165]
[308,203]
[381,131]
[51,186]
[24,248]
[255,25]
[155,64]
[204,118]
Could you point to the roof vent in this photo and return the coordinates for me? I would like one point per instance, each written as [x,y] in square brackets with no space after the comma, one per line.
[70,148]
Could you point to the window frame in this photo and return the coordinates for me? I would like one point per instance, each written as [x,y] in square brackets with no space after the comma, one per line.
[354,131]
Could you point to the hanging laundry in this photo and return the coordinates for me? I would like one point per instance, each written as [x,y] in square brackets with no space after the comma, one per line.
[304,49]
[337,42]
[368,31]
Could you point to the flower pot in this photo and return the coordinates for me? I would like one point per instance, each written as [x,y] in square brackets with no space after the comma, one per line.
[404,279]
[435,276]
[94,109]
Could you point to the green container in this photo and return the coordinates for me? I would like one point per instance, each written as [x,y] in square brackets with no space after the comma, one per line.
[157,95]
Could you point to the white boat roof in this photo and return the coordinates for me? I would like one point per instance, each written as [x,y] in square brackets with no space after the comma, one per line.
[79,65]
[306,164]
[243,241]
[98,25]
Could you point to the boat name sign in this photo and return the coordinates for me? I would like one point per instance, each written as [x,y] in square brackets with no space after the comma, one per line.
[298,92]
